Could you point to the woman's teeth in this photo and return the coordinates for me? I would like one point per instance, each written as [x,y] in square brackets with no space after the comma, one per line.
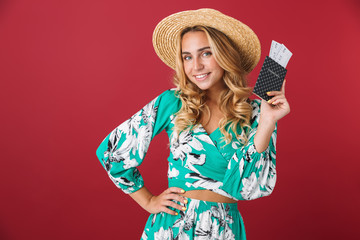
[201,76]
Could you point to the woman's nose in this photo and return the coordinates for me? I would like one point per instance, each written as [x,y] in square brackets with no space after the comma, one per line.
[198,65]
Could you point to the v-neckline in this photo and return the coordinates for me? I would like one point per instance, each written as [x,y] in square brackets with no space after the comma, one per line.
[209,134]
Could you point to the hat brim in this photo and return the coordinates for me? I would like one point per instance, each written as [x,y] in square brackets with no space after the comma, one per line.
[168,29]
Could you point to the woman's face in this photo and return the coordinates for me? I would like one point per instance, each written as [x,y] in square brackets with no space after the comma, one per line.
[199,63]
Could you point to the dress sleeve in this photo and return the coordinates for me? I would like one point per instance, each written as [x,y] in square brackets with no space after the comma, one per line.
[250,174]
[125,147]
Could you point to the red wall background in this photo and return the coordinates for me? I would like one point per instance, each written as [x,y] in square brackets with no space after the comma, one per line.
[72,70]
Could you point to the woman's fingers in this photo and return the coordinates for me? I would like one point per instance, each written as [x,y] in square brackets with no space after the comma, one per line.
[172,193]
[176,198]
[280,100]
[169,211]
[175,205]
[174,190]
[283,87]
[170,198]
[272,100]
[274,93]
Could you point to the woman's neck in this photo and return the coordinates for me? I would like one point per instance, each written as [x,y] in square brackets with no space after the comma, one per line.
[213,97]
[213,93]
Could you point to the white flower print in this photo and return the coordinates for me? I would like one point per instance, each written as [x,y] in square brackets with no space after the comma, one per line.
[195,159]
[241,164]
[144,236]
[179,146]
[137,134]
[222,214]
[163,234]
[251,187]
[251,150]
[149,113]
[172,172]
[182,236]
[235,145]
[129,163]
[204,225]
[209,228]
[184,144]
[256,109]
[121,180]
[187,219]
[144,138]
[227,234]
[267,178]
[203,182]
[205,138]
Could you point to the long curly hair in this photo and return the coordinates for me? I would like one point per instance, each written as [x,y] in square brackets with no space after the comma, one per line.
[234,100]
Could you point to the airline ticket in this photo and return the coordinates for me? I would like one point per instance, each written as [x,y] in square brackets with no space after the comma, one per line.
[280,53]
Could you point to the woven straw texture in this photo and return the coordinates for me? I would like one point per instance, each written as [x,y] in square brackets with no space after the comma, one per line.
[168,29]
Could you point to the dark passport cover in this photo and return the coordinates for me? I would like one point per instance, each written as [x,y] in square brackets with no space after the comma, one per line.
[270,78]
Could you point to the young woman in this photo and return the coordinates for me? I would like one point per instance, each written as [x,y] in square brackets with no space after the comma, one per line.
[222,145]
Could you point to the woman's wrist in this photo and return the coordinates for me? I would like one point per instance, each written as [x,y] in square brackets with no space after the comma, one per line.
[267,122]
[143,197]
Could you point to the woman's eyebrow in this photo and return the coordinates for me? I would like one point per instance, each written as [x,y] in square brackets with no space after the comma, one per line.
[199,50]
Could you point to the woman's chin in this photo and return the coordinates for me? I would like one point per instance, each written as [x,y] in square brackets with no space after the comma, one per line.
[203,87]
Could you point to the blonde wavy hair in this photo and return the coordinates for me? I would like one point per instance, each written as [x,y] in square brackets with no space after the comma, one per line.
[234,100]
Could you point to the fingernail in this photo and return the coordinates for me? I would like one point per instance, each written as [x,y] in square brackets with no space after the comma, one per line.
[185,201]
[182,190]
[176,214]
[269,101]
[184,208]
[268,93]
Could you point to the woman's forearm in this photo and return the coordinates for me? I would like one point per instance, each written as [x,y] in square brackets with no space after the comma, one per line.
[142,197]
[263,134]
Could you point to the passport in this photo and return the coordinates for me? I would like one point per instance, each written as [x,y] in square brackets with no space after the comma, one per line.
[271,78]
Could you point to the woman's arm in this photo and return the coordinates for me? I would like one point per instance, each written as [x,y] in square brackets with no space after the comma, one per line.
[124,149]
[270,113]
[252,170]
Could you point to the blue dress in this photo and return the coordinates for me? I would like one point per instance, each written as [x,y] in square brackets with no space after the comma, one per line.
[197,161]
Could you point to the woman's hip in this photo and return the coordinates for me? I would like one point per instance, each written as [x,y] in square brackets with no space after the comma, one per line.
[200,220]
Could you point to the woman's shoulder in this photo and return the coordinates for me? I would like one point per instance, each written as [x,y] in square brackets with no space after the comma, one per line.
[168,101]
[255,104]
[170,94]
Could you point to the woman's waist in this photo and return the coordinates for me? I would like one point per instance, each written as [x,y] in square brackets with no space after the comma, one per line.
[207,195]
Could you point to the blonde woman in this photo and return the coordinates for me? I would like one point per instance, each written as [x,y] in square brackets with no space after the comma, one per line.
[222,145]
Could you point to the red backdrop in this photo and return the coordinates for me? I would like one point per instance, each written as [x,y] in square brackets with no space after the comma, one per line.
[71,71]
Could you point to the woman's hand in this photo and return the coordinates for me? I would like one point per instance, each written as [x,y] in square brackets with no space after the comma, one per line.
[270,113]
[161,202]
[276,108]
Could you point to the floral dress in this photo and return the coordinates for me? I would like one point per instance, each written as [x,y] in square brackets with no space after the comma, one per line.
[197,161]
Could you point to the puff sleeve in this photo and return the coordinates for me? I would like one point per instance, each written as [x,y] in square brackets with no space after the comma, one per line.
[125,147]
[250,174]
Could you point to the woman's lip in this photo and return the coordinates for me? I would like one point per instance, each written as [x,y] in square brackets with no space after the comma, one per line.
[202,76]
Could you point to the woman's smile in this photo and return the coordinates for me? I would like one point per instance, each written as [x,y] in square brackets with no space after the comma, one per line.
[201,77]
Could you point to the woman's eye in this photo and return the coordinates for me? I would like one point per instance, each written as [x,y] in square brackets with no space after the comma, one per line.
[206,54]
[187,58]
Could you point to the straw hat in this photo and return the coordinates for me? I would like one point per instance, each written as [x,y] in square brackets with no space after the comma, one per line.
[167,30]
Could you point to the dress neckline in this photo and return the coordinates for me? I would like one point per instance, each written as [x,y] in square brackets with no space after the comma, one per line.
[209,134]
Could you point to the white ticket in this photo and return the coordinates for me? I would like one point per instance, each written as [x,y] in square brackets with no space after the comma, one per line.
[280,53]
[275,47]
